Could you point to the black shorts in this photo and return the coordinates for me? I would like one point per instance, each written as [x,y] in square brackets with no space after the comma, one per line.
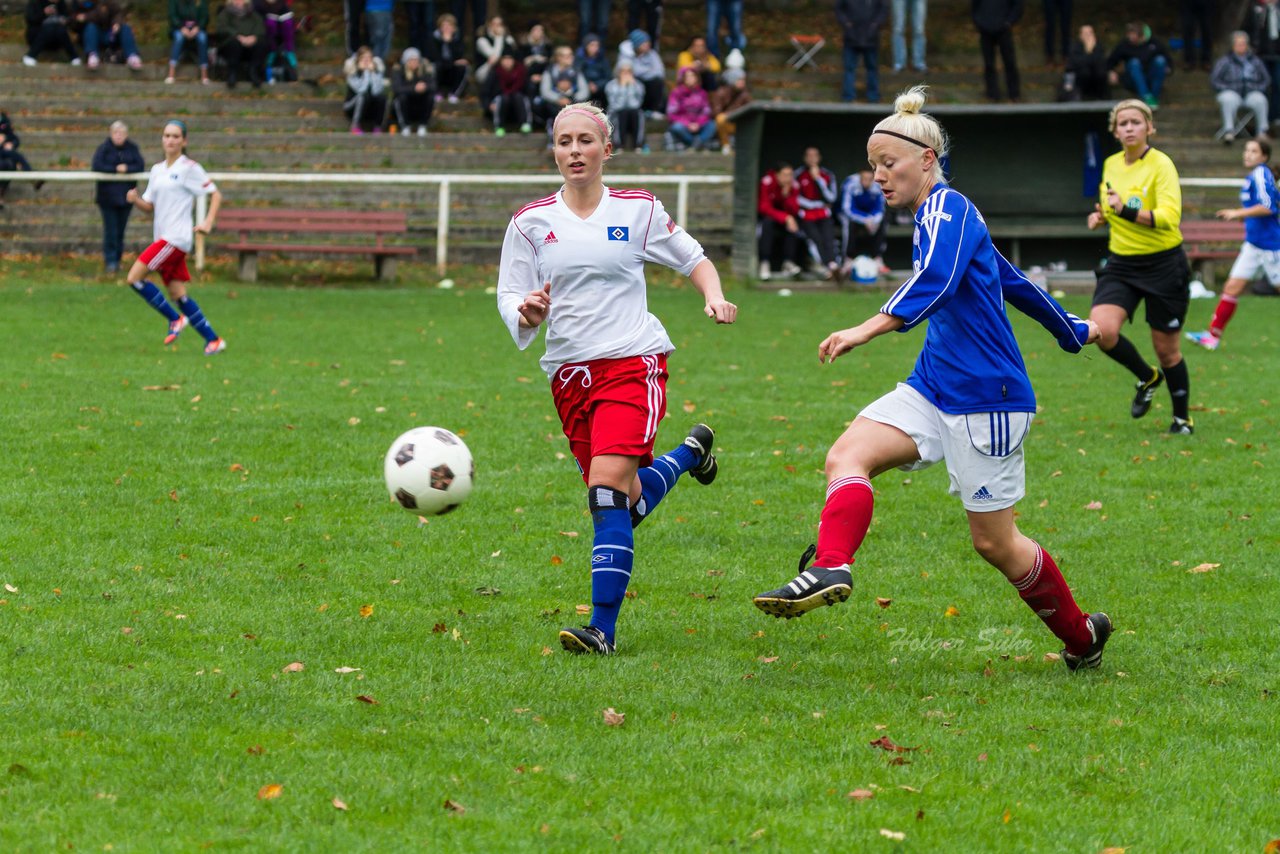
[1162,279]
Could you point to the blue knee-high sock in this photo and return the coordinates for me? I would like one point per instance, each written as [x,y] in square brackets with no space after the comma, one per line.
[611,555]
[196,317]
[659,478]
[155,298]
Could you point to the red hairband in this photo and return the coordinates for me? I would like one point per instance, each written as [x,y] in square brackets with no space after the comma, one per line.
[604,132]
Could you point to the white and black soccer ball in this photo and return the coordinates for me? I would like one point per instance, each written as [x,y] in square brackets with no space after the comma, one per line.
[429,471]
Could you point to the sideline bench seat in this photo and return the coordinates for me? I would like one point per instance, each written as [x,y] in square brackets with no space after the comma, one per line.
[1209,240]
[285,223]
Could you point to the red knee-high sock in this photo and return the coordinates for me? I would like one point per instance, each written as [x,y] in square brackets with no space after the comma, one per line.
[1222,314]
[1045,591]
[845,519]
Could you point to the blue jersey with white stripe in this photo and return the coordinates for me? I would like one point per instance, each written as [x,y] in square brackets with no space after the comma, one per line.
[970,361]
[1260,189]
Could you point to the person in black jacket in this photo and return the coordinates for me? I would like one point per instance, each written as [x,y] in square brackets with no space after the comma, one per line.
[994,20]
[1146,63]
[11,160]
[413,88]
[860,21]
[1262,23]
[1086,76]
[448,53]
[117,154]
[48,27]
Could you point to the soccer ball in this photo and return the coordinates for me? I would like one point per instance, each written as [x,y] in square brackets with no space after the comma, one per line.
[429,471]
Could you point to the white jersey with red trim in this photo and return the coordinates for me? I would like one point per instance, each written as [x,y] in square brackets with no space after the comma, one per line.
[599,305]
[173,190]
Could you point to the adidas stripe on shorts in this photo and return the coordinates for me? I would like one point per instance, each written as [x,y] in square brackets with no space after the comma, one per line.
[983,451]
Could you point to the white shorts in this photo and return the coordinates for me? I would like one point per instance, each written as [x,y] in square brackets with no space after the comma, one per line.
[983,451]
[1252,260]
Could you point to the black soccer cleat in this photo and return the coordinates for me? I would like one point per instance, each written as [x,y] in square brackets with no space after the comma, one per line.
[1182,427]
[1144,394]
[1100,628]
[810,589]
[587,639]
[701,439]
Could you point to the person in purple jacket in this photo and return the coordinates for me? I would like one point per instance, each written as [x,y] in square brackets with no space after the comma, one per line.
[689,113]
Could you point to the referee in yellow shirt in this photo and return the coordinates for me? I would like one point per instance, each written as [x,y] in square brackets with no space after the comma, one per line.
[1141,203]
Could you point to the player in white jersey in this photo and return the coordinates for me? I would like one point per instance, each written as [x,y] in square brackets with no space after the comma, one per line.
[171,192]
[574,261]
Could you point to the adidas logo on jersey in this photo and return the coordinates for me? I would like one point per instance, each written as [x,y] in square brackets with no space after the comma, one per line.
[549,239]
[983,494]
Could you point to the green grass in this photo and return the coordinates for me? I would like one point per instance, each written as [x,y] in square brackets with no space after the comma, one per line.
[173,550]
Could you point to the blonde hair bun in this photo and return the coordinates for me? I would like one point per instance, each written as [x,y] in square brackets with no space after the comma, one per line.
[910,102]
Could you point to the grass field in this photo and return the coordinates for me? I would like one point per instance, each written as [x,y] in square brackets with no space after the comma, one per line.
[178,530]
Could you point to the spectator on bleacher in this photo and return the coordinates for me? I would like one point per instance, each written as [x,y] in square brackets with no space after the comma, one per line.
[448,53]
[562,84]
[1197,15]
[689,121]
[994,20]
[593,17]
[625,95]
[919,9]
[366,103]
[277,17]
[1240,78]
[381,24]
[703,61]
[356,32]
[648,68]
[490,46]
[105,34]
[862,219]
[120,155]
[861,21]
[189,24]
[1146,63]
[242,41]
[818,188]
[420,14]
[730,11]
[732,94]
[48,27]
[594,66]
[1086,76]
[1057,16]
[413,88]
[510,105]
[535,52]
[778,228]
[1262,23]
[11,160]
[651,12]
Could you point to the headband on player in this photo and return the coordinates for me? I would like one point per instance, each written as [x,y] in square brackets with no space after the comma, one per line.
[604,132]
[903,136]
[180,123]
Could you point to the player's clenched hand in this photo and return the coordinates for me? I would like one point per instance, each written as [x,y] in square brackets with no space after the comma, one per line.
[839,343]
[1096,219]
[721,311]
[1094,332]
[536,305]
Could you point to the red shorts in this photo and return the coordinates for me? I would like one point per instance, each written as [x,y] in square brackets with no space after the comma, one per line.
[167,260]
[611,406]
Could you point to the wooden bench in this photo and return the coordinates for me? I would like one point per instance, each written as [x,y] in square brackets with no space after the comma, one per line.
[250,222]
[1209,240]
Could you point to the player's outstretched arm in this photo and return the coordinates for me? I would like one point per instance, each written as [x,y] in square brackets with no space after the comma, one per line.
[1023,294]
[707,280]
[839,343]
[215,203]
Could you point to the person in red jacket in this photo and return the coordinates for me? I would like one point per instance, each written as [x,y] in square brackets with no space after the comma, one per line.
[818,188]
[779,209]
[510,105]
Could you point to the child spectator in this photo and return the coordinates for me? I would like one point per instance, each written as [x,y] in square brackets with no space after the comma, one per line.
[510,104]
[625,96]
[1086,76]
[107,34]
[862,220]
[701,60]
[277,17]
[366,103]
[413,87]
[778,230]
[48,23]
[381,24]
[818,188]
[594,68]
[120,155]
[449,55]
[1145,60]
[1240,78]
[562,85]
[731,95]
[861,22]
[189,24]
[689,114]
[648,68]
[242,42]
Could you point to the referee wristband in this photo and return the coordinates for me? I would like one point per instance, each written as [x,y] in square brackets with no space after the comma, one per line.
[1128,213]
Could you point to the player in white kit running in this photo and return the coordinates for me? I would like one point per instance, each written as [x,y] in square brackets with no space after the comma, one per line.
[574,261]
[171,192]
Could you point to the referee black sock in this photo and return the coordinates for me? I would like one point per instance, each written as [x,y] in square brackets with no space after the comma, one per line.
[1179,388]
[1126,354]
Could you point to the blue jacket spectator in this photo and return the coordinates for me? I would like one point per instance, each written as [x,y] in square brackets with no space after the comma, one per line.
[117,154]
[594,66]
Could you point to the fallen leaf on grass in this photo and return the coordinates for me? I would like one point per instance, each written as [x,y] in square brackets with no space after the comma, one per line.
[237,467]
[1093,505]
[366,611]
[546,650]
[161,387]
[439,628]
[1204,567]
[895,835]
[861,795]
[11,588]
[982,757]
[1052,656]
[1272,847]
[569,534]
[339,804]
[883,602]
[952,611]
[454,807]
[345,669]
[1118,850]
[556,560]
[256,750]
[886,743]
[582,610]
[270,791]
[365,698]
[614,718]
[293,667]
[767,659]
[910,789]
[1007,815]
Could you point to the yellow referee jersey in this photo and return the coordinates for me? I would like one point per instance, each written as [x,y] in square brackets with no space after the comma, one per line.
[1150,183]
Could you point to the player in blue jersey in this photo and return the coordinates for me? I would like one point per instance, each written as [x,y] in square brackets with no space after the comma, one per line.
[1260,252]
[968,402]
